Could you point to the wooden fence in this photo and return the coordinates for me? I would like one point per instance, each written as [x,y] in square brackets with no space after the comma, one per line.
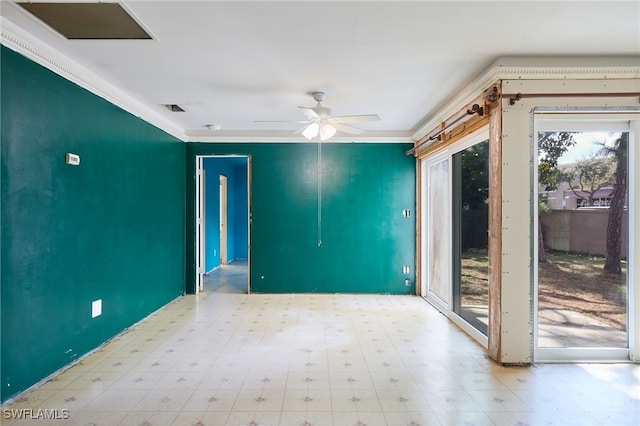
[581,231]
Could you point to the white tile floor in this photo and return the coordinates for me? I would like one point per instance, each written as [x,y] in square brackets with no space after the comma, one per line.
[237,359]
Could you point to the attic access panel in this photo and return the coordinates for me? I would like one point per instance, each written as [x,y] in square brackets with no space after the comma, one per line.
[88,21]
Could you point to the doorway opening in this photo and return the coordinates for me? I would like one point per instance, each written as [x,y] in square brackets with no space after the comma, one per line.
[470,216]
[583,279]
[222,223]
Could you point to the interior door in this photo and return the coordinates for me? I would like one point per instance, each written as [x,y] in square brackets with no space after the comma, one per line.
[200,224]
[223,220]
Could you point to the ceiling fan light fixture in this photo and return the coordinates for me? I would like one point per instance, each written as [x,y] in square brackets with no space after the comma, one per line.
[320,122]
[311,131]
[326,132]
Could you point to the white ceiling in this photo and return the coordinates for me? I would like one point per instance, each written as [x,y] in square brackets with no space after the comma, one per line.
[231,63]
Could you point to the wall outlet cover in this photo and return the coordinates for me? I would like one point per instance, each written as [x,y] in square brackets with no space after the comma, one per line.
[72,159]
[96,308]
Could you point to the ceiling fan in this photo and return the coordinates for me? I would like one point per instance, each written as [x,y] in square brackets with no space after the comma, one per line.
[319,121]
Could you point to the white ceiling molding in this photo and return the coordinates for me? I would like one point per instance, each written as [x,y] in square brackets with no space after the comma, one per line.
[529,68]
[532,68]
[280,139]
[15,38]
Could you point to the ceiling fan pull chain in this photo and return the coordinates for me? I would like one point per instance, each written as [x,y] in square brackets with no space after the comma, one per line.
[319,193]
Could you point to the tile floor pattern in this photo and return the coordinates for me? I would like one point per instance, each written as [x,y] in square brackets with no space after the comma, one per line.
[238,359]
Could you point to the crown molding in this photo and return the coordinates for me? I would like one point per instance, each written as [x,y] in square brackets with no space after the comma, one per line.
[574,68]
[230,136]
[289,139]
[517,68]
[15,38]
[534,68]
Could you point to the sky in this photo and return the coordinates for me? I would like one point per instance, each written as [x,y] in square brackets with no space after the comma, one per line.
[587,144]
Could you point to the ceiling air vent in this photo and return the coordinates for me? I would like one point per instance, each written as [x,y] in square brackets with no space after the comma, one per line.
[174,108]
[88,21]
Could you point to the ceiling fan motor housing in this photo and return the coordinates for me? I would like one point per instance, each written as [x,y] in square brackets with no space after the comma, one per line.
[318,96]
[323,112]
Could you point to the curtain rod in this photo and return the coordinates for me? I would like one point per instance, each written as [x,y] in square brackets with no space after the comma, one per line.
[515,97]
[475,109]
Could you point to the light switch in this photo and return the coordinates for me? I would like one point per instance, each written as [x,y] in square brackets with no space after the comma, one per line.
[96,308]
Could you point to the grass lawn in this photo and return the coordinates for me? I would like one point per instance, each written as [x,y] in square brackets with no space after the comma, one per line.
[474,280]
[566,281]
[578,282]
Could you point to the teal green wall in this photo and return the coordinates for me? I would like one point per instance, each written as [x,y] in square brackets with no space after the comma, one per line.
[365,238]
[111,228]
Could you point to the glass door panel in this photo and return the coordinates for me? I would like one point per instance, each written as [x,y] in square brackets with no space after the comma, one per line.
[470,194]
[583,229]
[436,238]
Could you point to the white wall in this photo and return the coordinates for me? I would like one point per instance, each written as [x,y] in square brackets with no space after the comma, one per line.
[518,208]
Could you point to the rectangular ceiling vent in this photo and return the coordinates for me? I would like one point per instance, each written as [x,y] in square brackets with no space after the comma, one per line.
[88,21]
[174,108]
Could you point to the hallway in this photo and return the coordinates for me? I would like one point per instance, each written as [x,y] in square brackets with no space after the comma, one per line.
[310,359]
[229,278]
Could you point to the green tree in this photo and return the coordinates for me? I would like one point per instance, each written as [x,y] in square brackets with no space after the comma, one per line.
[475,185]
[586,177]
[551,146]
[619,151]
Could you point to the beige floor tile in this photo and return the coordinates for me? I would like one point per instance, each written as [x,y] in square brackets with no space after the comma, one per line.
[98,418]
[321,360]
[253,418]
[117,400]
[415,418]
[149,418]
[306,418]
[211,418]
[307,400]
[163,400]
[355,418]
[511,418]
[457,418]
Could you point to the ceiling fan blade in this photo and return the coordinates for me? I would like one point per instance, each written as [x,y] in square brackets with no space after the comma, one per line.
[309,113]
[355,118]
[300,130]
[326,132]
[276,121]
[345,128]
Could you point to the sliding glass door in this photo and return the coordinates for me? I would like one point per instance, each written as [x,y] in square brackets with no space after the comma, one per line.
[435,235]
[470,215]
[582,283]
[455,264]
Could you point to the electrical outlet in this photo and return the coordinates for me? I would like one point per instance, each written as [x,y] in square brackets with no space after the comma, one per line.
[72,159]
